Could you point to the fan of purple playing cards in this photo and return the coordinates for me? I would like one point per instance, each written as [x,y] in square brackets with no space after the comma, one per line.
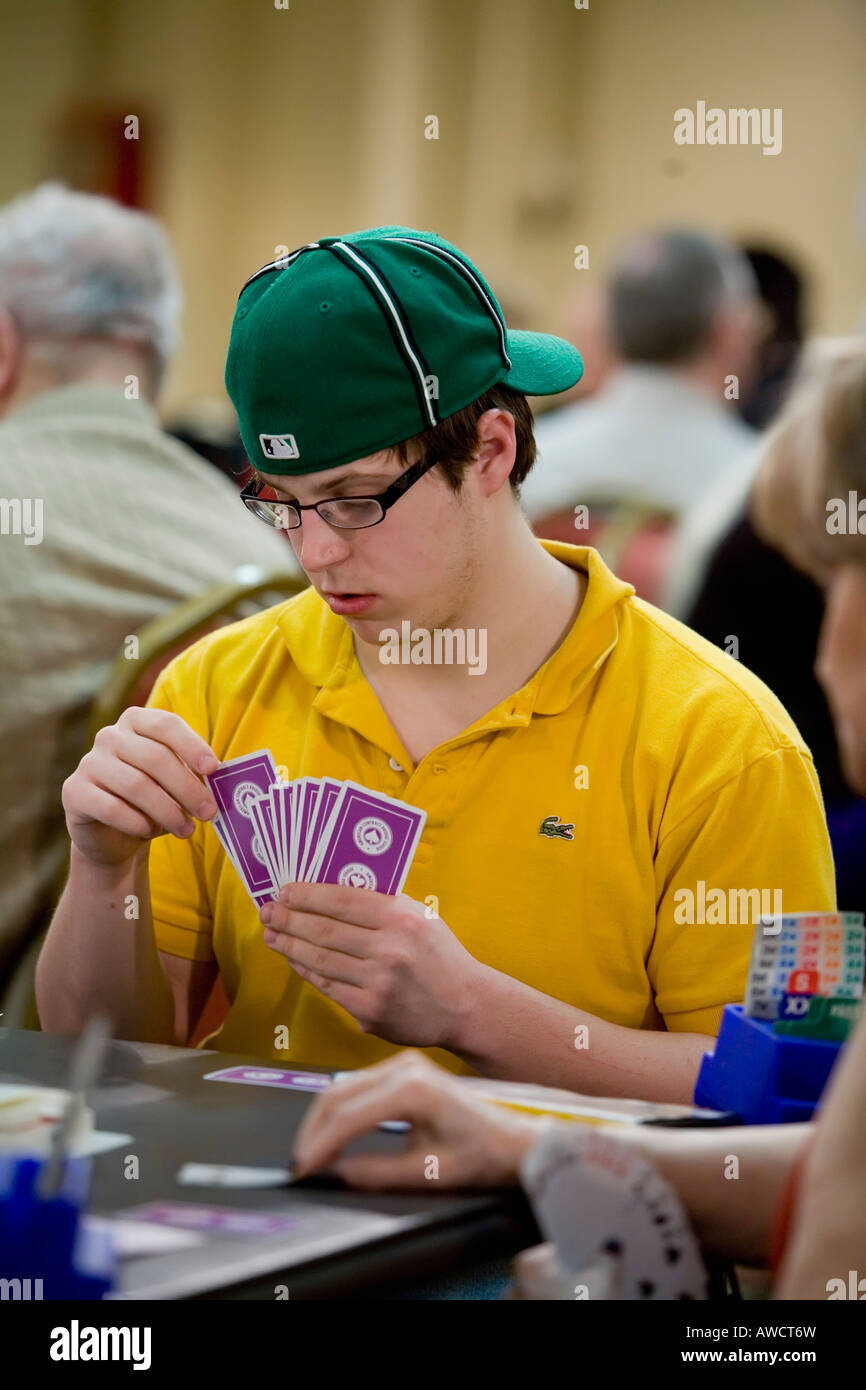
[311,830]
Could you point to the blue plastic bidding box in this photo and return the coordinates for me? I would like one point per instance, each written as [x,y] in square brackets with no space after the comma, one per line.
[764,1077]
[46,1252]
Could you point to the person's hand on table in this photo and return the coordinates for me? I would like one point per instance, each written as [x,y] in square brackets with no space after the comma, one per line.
[475,1143]
[399,972]
[141,779]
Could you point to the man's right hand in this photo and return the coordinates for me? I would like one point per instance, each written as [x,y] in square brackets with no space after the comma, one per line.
[141,779]
[475,1143]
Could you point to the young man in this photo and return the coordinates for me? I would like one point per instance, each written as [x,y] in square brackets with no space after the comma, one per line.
[586,793]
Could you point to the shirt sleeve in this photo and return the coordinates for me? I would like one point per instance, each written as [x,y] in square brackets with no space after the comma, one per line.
[179,896]
[764,829]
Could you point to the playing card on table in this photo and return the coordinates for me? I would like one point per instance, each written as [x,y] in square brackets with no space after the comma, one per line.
[235,785]
[369,841]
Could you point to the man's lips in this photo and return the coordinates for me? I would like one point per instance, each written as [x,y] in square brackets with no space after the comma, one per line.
[348,605]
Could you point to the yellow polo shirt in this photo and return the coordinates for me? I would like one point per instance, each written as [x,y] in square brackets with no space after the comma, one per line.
[674,765]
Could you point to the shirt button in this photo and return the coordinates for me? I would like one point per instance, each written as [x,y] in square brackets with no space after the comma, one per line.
[392,762]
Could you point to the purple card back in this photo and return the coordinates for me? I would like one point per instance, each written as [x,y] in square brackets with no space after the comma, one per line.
[371,840]
[274,795]
[283,806]
[234,785]
[260,813]
[258,898]
[273,1076]
[303,806]
[223,1220]
[324,805]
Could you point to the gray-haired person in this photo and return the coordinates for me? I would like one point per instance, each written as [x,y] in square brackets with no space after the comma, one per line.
[684,322]
[105,521]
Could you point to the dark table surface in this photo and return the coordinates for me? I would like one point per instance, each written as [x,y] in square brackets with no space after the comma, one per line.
[344,1244]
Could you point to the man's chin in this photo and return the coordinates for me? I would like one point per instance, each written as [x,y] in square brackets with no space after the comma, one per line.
[382,629]
[375,628]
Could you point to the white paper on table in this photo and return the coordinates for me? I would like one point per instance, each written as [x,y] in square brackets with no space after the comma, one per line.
[132,1239]
[156,1054]
[231,1175]
[552,1101]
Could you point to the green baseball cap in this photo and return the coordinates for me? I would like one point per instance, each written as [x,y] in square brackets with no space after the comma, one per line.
[352,344]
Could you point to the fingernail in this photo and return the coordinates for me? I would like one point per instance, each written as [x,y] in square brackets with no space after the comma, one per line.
[286,893]
[266,912]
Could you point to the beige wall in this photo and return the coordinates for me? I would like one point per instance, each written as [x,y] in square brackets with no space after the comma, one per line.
[274,126]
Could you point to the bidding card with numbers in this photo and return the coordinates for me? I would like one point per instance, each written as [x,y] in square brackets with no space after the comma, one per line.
[805,953]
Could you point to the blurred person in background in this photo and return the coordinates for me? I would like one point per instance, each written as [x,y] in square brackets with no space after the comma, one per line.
[683,320]
[105,522]
[720,516]
[783,291]
[588,325]
[753,593]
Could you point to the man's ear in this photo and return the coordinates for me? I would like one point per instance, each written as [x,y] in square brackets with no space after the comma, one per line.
[498,446]
[10,354]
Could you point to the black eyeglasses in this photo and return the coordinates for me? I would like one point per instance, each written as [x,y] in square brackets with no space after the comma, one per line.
[348,513]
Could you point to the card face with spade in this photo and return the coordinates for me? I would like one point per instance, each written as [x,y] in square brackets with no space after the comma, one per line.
[594,1196]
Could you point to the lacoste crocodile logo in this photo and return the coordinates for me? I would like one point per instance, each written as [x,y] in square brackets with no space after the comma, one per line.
[551,827]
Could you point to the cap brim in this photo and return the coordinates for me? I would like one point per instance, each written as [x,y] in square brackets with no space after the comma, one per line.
[541,364]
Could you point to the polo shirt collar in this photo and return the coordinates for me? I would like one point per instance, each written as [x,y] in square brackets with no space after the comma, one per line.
[591,638]
[322,648]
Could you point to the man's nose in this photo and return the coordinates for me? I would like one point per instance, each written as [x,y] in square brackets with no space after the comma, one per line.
[318,545]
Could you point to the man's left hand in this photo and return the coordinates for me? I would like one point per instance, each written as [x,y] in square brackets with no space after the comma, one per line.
[400,973]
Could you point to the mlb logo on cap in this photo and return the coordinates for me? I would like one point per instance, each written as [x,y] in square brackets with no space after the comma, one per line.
[279,446]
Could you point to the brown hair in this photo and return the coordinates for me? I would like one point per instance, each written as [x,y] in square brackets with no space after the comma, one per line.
[815,452]
[456,442]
